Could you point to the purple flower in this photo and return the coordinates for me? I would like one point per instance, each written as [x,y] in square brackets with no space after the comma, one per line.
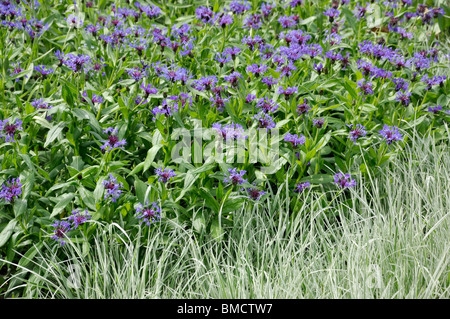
[286,70]
[136,73]
[223,58]
[148,89]
[95,98]
[113,141]
[232,51]
[165,174]
[168,107]
[254,193]
[365,86]
[140,45]
[365,67]
[295,36]
[288,91]
[390,134]
[218,102]
[78,218]
[252,42]
[295,3]
[93,29]
[40,104]
[333,38]
[140,101]
[151,11]
[112,188]
[11,190]
[233,78]
[149,214]
[265,121]
[287,22]
[344,180]
[382,74]
[225,20]
[238,7]
[319,68]
[205,83]
[43,70]
[266,51]
[253,21]
[250,97]
[256,69]
[303,108]
[78,62]
[356,132]
[318,122]
[294,139]
[360,11]
[400,84]
[60,231]
[435,80]
[332,13]
[187,49]
[16,69]
[74,21]
[234,177]
[266,9]
[435,109]
[205,14]
[403,97]
[267,105]
[269,81]
[231,131]
[8,130]
[300,187]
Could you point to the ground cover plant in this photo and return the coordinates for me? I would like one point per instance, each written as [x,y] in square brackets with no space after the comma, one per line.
[182,136]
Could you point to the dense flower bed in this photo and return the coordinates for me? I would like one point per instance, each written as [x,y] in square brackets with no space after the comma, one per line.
[129,112]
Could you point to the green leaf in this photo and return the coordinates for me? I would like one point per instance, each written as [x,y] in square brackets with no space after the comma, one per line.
[63,201]
[141,189]
[67,95]
[151,156]
[318,179]
[199,222]
[216,230]
[54,133]
[232,204]
[20,207]
[209,199]
[7,232]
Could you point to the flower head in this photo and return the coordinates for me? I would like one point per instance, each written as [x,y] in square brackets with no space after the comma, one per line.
[435,109]
[357,131]
[254,193]
[113,188]
[60,230]
[165,174]
[390,134]
[78,218]
[11,190]
[9,129]
[265,121]
[235,177]
[403,97]
[149,214]
[113,140]
[294,139]
[267,105]
[300,187]
[365,86]
[344,180]
[231,131]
